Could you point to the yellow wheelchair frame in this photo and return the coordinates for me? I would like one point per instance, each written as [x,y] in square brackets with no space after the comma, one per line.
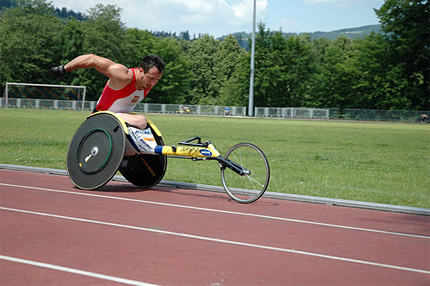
[97,152]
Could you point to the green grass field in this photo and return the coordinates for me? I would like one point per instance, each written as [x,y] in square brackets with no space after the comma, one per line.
[374,162]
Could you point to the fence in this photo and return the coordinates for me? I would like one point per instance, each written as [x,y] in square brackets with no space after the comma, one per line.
[386,115]
[275,112]
[291,112]
[141,107]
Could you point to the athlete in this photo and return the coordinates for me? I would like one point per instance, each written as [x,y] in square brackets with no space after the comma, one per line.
[125,88]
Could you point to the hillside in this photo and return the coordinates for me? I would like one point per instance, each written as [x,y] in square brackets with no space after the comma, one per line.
[351,33]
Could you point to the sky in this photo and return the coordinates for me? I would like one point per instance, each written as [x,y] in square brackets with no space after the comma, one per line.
[223,17]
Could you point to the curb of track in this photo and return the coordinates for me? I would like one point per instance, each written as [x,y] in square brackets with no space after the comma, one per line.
[272,195]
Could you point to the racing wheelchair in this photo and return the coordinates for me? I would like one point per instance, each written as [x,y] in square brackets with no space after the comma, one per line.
[99,150]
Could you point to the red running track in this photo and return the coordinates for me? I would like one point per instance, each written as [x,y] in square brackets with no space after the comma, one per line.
[55,234]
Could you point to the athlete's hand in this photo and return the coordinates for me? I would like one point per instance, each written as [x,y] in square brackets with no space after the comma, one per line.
[59,71]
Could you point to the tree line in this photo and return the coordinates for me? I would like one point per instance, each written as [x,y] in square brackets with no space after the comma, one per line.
[389,69]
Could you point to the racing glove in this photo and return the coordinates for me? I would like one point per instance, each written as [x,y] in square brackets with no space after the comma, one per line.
[59,71]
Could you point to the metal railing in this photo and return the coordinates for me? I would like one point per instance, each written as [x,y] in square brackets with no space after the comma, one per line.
[292,112]
[385,115]
[274,112]
[141,107]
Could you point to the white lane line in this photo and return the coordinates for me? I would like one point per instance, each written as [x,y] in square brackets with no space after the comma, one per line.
[222,211]
[222,241]
[75,271]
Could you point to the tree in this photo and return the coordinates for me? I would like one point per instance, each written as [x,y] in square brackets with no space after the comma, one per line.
[104,36]
[300,69]
[175,83]
[262,77]
[204,90]
[174,86]
[30,34]
[7,3]
[71,43]
[283,69]
[380,83]
[226,64]
[335,76]
[236,90]
[407,28]
[137,44]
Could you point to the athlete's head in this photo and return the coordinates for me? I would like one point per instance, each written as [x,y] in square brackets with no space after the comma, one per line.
[151,61]
[152,68]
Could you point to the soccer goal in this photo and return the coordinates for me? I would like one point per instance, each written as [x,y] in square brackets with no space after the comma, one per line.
[20,92]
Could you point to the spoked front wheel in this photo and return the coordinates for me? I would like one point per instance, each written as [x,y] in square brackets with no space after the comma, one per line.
[253,182]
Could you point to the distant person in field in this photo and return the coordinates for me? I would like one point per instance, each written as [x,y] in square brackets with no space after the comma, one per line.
[125,88]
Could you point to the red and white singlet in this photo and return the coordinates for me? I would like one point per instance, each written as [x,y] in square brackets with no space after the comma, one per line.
[122,100]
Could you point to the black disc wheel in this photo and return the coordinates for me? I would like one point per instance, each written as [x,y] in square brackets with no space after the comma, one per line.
[145,170]
[96,151]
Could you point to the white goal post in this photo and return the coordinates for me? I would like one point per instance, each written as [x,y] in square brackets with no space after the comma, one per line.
[51,91]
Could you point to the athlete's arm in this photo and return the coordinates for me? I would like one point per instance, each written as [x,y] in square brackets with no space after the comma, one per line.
[118,74]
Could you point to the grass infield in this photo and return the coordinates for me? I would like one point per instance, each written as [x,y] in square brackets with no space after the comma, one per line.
[373,162]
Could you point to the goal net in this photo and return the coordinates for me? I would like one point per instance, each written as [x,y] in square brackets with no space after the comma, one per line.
[28,94]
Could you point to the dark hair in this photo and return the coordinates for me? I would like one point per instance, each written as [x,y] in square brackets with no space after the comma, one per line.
[151,61]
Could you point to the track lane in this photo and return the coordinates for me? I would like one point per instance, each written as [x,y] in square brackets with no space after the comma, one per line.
[186,261]
[232,227]
[324,240]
